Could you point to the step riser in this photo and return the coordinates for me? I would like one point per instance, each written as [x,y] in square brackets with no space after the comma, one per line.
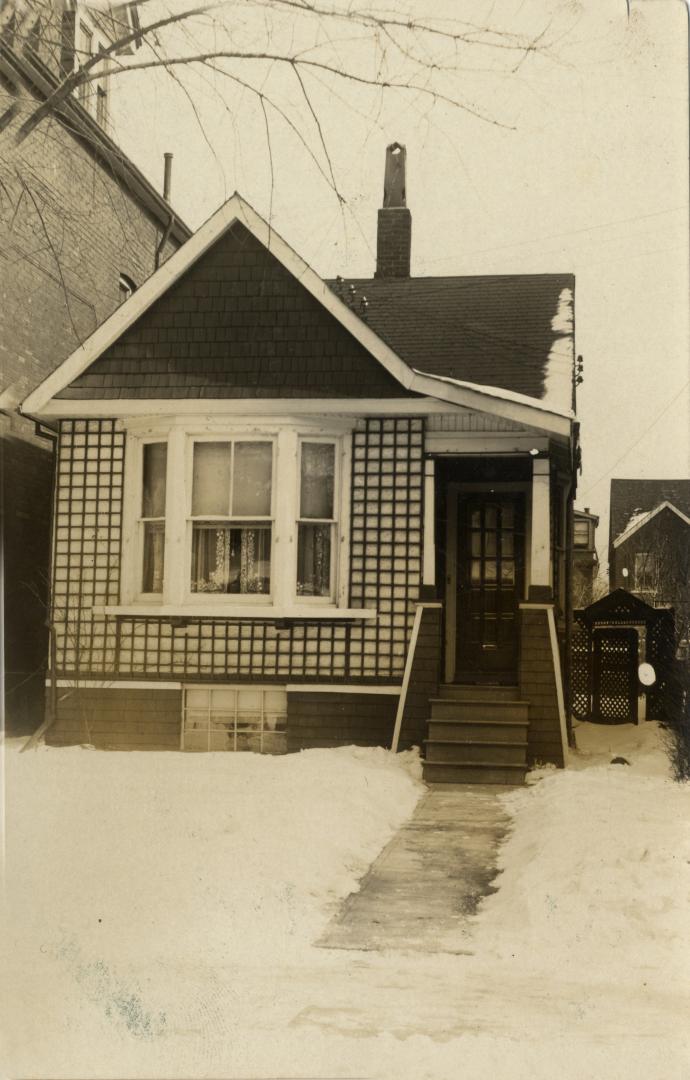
[491,693]
[468,753]
[490,710]
[442,773]
[490,732]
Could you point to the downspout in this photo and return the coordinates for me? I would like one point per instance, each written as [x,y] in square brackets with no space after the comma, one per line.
[167,185]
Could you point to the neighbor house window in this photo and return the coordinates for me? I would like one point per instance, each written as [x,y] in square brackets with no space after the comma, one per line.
[152,518]
[84,52]
[102,104]
[316,521]
[232,517]
[646,571]
[581,534]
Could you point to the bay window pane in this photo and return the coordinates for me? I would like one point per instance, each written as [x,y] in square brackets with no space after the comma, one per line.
[251,487]
[154,553]
[155,465]
[314,560]
[317,480]
[211,478]
[228,559]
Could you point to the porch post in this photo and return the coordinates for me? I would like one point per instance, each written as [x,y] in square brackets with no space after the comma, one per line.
[540,584]
[429,552]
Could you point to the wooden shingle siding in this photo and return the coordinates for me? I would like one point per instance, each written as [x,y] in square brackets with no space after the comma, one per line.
[146,719]
[316,719]
[385,575]
[424,679]
[538,687]
[236,325]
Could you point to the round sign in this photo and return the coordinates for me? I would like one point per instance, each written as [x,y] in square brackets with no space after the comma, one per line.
[646,674]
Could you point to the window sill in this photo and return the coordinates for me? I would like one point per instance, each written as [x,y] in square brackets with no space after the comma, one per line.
[236,611]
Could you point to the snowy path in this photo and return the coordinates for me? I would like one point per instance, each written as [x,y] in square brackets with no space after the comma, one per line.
[428,881]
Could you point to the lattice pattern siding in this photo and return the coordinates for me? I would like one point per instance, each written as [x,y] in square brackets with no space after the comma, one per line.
[580,660]
[88,533]
[385,574]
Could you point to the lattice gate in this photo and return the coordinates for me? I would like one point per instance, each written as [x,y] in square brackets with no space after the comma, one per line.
[614,665]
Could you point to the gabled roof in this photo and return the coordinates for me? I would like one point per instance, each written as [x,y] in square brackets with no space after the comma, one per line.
[510,331]
[633,498]
[506,403]
[621,604]
[640,520]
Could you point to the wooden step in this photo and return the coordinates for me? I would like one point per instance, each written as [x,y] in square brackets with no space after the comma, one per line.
[489,730]
[463,691]
[479,772]
[478,709]
[499,753]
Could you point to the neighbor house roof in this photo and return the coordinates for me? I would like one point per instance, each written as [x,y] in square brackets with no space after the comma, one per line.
[73,379]
[632,500]
[510,331]
[637,521]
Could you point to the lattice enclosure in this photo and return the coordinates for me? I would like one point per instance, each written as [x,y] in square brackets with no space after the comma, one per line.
[580,671]
[385,575]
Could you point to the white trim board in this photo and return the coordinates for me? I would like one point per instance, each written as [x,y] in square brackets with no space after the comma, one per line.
[632,529]
[504,403]
[116,684]
[338,688]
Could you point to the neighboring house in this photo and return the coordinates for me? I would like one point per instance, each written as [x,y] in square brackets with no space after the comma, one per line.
[81,229]
[292,513]
[649,552]
[585,559]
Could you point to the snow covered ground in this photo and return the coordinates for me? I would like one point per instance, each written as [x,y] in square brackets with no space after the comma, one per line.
[163,909]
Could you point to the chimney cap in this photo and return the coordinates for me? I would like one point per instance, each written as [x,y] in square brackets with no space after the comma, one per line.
[394,194]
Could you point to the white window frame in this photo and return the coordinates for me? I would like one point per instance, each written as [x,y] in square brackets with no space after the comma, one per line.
[87,92]
[231,439]
[282,601]
[333,522]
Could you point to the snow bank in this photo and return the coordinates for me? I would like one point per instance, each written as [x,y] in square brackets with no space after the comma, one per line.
[596,874]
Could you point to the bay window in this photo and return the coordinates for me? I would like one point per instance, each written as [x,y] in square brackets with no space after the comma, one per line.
[239,520]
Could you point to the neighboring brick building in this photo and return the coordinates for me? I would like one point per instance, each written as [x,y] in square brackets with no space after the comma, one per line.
[649,549]
[81,227]
[292,513]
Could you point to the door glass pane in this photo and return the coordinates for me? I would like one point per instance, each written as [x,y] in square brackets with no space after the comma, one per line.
[314,560]
[476,544]
[251,489]
[507,546]
[476,571]
[154,553]
[317,480]
[490,517]
[231,560]
[155,464]
[490,543]
[476,519]
[508,572]
[489,570]
[507,517]
[211,478]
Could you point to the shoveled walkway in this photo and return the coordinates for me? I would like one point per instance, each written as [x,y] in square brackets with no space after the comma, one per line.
[430,878]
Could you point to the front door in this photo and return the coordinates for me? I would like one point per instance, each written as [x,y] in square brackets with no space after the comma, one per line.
[489,587]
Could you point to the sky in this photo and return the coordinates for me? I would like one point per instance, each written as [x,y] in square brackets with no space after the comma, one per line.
[569,157]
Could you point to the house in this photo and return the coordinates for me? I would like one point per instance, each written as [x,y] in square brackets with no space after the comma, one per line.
[293,513]
[81,229]
[585,558]
[649,546]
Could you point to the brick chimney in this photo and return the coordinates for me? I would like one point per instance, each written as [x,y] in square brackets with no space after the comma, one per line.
[394,235]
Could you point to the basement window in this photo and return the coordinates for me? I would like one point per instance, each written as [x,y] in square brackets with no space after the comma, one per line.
[235,718]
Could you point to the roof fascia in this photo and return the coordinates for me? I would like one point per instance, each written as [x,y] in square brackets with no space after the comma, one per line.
[624,536]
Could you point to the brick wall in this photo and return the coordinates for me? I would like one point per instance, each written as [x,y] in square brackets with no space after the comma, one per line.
[68,229]
[538,687]
[112,719]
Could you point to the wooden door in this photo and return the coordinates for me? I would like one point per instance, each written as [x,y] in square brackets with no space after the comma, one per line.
[490,576]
